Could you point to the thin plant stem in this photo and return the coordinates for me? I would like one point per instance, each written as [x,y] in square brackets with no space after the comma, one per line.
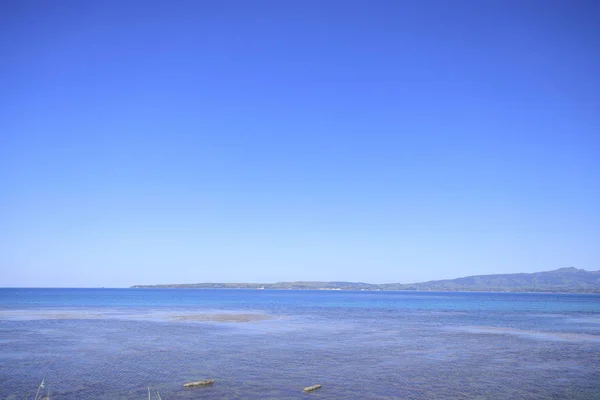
[39,387]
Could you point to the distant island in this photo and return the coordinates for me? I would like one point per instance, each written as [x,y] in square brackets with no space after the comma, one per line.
[563,280]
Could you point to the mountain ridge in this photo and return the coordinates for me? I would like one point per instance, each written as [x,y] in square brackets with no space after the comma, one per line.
[565,280]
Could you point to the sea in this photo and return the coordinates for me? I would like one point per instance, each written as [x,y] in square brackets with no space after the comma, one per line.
[270,344]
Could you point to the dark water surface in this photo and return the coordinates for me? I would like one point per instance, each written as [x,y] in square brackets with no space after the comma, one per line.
[263,344]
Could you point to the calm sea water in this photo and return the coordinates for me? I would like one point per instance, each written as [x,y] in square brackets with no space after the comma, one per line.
[262,344]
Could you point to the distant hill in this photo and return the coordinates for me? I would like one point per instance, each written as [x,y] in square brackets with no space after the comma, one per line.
[568,280]
[560,280]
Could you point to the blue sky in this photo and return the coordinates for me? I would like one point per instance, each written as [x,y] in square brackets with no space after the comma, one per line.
[380,141]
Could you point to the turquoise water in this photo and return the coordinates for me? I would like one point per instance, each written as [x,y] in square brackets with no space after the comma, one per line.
[259,344]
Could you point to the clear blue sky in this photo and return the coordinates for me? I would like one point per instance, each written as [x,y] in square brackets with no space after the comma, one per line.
[379,141]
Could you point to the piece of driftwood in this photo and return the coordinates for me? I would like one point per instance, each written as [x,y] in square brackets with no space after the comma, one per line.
[199,383]
[311,388]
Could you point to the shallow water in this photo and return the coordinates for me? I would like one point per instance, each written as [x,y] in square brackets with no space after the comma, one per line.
[114,343]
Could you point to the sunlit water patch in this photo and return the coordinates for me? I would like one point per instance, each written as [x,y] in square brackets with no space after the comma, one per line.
[562,336]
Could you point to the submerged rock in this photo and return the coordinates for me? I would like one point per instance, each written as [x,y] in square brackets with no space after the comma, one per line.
[222,317]
[311,388]
[199,383]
